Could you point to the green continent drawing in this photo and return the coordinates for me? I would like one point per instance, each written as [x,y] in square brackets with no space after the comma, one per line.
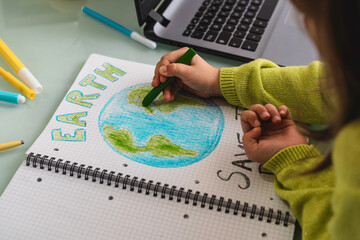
[121,140]
[159,146]
[135,96]
[168,135]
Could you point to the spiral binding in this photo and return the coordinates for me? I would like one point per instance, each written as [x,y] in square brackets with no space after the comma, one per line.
[228,205]
[72,168]
[111,178]
[196,196]
[237,206]
[102,175]
[163,191]
[132,185]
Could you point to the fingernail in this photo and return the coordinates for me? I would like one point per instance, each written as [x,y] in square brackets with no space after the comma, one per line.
[282,112]
[162,70]
[277,118]
[257,123]
[265,115]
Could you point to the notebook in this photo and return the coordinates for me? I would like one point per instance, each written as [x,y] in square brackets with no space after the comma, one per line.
[240,29]
[107,167]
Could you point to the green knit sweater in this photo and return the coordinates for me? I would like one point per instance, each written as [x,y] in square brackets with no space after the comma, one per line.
[327,203]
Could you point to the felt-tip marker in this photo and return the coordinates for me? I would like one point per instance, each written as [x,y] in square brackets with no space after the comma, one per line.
[132,34]
[184,59]
[20,69]
[11,97]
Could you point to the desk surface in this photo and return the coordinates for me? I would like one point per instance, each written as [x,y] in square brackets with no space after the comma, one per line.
[53,38]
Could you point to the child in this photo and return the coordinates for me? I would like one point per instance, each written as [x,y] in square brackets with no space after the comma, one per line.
[323,191]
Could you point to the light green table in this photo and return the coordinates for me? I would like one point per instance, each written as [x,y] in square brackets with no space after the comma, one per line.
[53,38]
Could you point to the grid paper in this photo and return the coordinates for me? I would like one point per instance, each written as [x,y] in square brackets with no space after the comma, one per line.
[97,153]
[64,207]
[202,176]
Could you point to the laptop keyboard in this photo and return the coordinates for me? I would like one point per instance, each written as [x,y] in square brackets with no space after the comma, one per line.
[237,23]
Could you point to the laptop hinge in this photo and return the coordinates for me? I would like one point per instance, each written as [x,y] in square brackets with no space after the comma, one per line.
[158,18]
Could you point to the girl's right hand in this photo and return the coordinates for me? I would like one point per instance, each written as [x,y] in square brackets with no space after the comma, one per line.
[199,77]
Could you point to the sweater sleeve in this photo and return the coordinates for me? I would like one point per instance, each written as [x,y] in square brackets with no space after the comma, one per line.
[262,81]
[346,198]
[309,195]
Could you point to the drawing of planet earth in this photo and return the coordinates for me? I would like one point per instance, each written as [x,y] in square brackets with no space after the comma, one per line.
[167,135]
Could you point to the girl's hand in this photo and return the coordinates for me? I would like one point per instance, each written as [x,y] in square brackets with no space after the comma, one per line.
[199,77]
[268,130]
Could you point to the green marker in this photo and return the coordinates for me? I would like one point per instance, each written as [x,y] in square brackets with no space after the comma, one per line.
[150,97]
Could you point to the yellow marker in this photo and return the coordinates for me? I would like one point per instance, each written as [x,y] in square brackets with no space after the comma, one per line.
[4,146]
[17,83]
[19,68]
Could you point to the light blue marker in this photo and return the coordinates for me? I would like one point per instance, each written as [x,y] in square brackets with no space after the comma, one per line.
[11,97]
[132,34]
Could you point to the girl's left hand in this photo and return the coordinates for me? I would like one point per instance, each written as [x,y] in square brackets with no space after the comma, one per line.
[268,130]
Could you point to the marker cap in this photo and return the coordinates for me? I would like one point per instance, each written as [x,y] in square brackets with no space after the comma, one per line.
[12,97]
[30,80]
[21,99]
[147,42]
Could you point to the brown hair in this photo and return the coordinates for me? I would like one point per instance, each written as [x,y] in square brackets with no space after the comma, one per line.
[338,41]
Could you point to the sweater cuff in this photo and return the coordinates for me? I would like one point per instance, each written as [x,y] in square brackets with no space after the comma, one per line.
[290,155]
[227,86]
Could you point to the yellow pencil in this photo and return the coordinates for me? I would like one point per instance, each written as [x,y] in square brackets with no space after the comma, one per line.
[17,83]
[4,146]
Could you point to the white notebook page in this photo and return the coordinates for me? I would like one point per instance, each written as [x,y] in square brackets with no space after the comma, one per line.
[221,172]
[39,204]
[191,143]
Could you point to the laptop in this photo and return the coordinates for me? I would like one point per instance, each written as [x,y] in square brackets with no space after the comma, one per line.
[239,29]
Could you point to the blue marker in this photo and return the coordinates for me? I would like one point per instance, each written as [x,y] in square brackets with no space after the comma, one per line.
[132,34]
[11,97]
